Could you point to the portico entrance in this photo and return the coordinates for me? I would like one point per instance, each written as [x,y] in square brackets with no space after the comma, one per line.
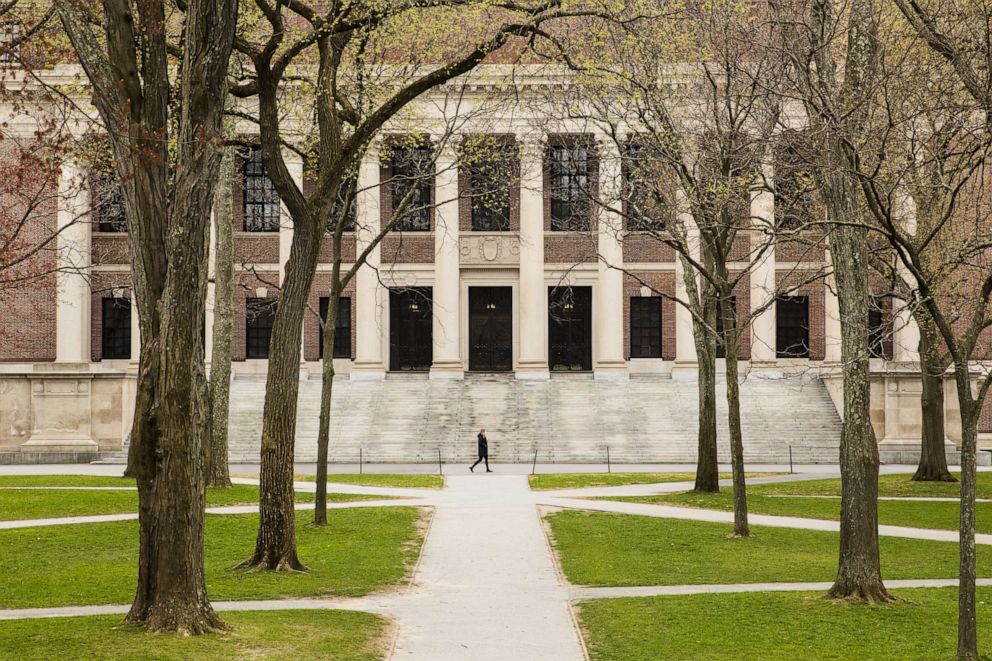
[490,329]
[410,329]
[570,329]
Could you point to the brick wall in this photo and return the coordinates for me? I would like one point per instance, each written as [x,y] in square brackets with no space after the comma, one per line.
[804,247]
[639,247]
[28,310]
[110,248]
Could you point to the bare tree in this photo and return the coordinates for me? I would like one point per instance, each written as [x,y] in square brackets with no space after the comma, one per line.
[339,42]
[694,135]
[835,94]
[150,102]
[216,466]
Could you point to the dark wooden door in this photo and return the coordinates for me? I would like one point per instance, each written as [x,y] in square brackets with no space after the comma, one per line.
[570,329]
[490,329]
[410,330]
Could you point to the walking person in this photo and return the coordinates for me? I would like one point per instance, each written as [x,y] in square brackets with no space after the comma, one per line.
[483,452]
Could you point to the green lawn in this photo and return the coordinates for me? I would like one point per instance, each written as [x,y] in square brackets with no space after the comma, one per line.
[400,480]
[778,627]
[361,550]
[616,549]
[580,480]
[888,485]
[38,503]
[337,635]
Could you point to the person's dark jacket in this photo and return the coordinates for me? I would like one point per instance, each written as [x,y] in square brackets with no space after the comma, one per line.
[483,446]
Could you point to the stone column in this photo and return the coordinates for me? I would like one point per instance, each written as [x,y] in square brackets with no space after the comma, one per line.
[135,330]
[208,321]
[533,296]
[608,305]
[686,364]
[370,295]
[763,285]
[905,330]
[72,316]
[295,166]
[831,316]
[447,357]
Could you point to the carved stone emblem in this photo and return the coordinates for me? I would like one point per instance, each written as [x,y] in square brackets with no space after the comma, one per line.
[489,250]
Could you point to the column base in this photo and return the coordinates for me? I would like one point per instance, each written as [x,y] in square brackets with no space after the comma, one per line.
[63,445]
[368,372]
[765,369]
[611,370]
[536,370]
[685,370]
[447,371]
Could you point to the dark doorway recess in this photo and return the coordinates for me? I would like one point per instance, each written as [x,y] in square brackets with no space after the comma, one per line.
[570,329]
[410,330]
[490,329]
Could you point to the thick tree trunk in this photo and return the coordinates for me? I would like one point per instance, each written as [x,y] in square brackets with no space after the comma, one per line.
[217,471]
[275,547]
[707,465]
[324,426]
[859,574]
[967,614]
[933,457]
[730,343]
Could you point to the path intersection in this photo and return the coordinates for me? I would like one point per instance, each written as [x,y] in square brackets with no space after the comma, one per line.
[487,586]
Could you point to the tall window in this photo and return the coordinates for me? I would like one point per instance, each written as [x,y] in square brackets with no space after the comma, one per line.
[10,48]
[721,348]
[260,313]
[110,211]
[345,204]
[569,169]
[491,174]
[876,327]
[792,327]
[116,328]
[342,327]
[645,327]
[261,200]
[795,191]
[412,187]
[644,205]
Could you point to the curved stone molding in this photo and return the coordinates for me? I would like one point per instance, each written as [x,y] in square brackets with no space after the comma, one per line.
[489,250]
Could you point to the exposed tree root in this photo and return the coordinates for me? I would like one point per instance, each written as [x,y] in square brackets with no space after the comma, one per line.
[270,561]
[872,593]
[924,474]
[180,619]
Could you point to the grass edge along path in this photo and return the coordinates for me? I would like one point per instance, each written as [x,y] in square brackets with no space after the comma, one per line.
[777,626]
[361,550]
[555,481]
[606,549]
[329,634]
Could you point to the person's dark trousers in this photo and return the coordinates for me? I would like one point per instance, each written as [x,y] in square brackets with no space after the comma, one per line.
[482,457]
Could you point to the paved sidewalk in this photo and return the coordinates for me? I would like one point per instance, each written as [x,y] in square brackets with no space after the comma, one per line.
[487,587]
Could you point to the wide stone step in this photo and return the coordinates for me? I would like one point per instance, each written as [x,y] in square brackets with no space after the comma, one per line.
[569,418]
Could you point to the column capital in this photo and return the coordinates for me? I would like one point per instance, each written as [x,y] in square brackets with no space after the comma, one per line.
[532,145]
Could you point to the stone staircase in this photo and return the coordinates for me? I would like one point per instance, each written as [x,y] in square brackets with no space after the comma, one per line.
[570,418]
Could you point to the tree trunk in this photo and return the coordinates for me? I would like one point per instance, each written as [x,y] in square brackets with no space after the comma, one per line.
[933,457]
[707,465]
[275,547]
[967,614]
[730,344]
[326,388]
[859,575]
[217,471]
